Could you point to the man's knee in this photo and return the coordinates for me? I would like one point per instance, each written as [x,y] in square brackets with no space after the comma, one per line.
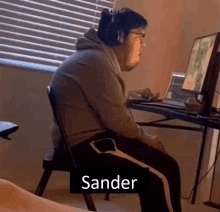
[173,165]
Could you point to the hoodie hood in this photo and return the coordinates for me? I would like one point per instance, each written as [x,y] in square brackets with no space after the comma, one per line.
[90,40]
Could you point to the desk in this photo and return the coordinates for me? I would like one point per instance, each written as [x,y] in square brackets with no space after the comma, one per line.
[170,114]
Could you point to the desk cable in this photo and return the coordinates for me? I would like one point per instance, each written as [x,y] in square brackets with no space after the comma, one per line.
[212,164]
[203,176]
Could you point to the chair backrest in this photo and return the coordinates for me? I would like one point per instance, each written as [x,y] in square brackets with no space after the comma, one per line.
[52,98]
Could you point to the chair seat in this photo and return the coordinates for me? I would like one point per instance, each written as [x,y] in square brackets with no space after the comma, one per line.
[61,162]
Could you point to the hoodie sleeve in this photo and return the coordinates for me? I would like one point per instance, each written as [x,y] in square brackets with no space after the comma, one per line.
[105,95]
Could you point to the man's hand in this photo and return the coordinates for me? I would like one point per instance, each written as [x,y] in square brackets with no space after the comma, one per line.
[156,144]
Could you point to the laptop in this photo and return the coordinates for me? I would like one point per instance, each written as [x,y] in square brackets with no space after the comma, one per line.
[175,97]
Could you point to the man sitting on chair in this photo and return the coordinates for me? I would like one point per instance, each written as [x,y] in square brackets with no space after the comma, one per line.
[92,103]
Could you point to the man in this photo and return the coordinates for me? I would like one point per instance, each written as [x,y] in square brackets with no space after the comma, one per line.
[92,104]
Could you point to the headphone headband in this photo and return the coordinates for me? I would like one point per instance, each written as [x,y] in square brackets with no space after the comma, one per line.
[113,13]
[113,34]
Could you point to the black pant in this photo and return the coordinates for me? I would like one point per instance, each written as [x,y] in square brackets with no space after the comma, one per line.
[164,175]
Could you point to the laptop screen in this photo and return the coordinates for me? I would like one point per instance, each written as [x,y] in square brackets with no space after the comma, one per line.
[175,94]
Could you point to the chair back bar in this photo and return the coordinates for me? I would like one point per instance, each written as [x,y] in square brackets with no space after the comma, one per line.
[52,99]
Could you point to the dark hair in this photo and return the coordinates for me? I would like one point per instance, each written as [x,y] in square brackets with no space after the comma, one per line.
[125,20]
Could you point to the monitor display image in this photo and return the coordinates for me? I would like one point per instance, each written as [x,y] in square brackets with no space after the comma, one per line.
[198,63]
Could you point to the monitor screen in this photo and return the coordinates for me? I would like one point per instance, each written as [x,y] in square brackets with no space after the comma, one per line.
[199,61]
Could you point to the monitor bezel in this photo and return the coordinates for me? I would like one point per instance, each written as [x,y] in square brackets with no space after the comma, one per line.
[210,65]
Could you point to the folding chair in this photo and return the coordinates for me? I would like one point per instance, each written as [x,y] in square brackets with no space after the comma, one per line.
[59,161]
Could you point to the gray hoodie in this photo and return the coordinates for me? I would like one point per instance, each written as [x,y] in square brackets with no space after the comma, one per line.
[91,94]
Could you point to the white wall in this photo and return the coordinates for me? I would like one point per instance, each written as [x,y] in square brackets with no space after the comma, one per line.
[25,103]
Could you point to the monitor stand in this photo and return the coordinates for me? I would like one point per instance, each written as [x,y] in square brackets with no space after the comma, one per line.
[208,95]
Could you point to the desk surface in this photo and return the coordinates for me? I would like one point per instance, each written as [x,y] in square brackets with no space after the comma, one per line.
[212,122]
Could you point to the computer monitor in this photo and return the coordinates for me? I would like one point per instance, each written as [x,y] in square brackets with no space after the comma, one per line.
[202,59]
[202,69]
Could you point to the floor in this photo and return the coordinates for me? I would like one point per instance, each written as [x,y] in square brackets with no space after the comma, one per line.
[118,202]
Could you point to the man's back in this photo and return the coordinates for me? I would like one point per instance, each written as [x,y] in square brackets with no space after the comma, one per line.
[85,85]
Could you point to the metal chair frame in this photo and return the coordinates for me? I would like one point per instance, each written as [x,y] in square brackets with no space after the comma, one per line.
[47,172]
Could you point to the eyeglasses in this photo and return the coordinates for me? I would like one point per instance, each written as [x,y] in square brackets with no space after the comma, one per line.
[141,35]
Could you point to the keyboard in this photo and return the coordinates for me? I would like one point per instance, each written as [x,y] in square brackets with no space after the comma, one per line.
[161,104]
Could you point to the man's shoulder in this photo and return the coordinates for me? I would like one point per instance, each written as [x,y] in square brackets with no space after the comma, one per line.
[96,57]
[89,63]
[90,55]
[87,58]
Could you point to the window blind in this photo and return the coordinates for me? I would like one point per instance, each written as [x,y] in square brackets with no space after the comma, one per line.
[42,33]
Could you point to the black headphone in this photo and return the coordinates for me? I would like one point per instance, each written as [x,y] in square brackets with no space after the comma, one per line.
[113,34]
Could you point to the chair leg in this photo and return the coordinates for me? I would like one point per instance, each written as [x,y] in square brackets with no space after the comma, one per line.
[43,182]
[89,202]
[107,196]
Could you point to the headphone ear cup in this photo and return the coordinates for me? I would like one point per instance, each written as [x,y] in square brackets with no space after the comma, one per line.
[112,35]
[120,36]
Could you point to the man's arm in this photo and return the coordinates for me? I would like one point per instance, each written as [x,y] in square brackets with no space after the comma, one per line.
[104,94]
